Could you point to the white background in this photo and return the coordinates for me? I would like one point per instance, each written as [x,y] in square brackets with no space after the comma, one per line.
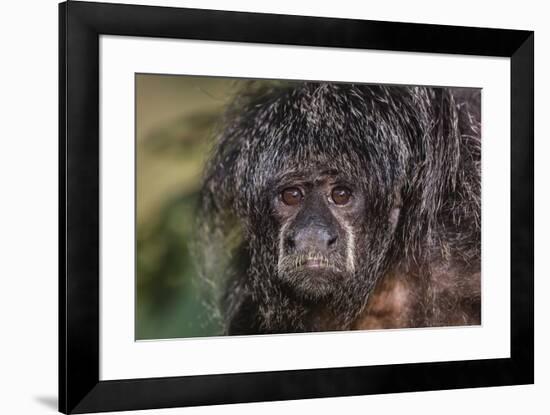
[28,217]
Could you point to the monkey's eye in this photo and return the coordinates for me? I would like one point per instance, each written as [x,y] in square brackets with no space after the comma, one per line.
[341,195]
[291,196]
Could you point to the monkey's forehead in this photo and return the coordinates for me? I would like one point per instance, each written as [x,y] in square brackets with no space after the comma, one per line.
[351,155]
[291,136]
[315,173]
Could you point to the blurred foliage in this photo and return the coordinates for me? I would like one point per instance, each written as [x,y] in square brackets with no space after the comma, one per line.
[167,290]
[178,138]
[171,152]
[176,117]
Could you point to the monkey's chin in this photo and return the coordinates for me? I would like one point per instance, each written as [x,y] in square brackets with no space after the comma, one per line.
[313,282]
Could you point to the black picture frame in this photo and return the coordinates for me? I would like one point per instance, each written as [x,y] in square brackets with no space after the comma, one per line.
[80,25]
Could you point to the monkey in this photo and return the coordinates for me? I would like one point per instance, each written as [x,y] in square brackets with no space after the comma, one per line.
[338,206]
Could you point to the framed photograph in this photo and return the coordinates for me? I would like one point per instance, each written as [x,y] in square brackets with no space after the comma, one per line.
[259,207]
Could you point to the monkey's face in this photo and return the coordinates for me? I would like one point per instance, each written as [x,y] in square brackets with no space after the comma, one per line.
[319,216]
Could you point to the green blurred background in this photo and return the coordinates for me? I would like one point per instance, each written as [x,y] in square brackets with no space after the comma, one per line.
[175,121]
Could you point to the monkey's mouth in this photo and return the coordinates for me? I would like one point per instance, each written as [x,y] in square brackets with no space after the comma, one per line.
[315,263]
[312,276]
[310,262]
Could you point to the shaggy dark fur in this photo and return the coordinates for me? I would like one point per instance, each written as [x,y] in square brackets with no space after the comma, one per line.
[411,150]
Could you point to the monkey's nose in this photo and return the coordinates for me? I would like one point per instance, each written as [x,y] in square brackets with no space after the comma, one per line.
[318,239]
